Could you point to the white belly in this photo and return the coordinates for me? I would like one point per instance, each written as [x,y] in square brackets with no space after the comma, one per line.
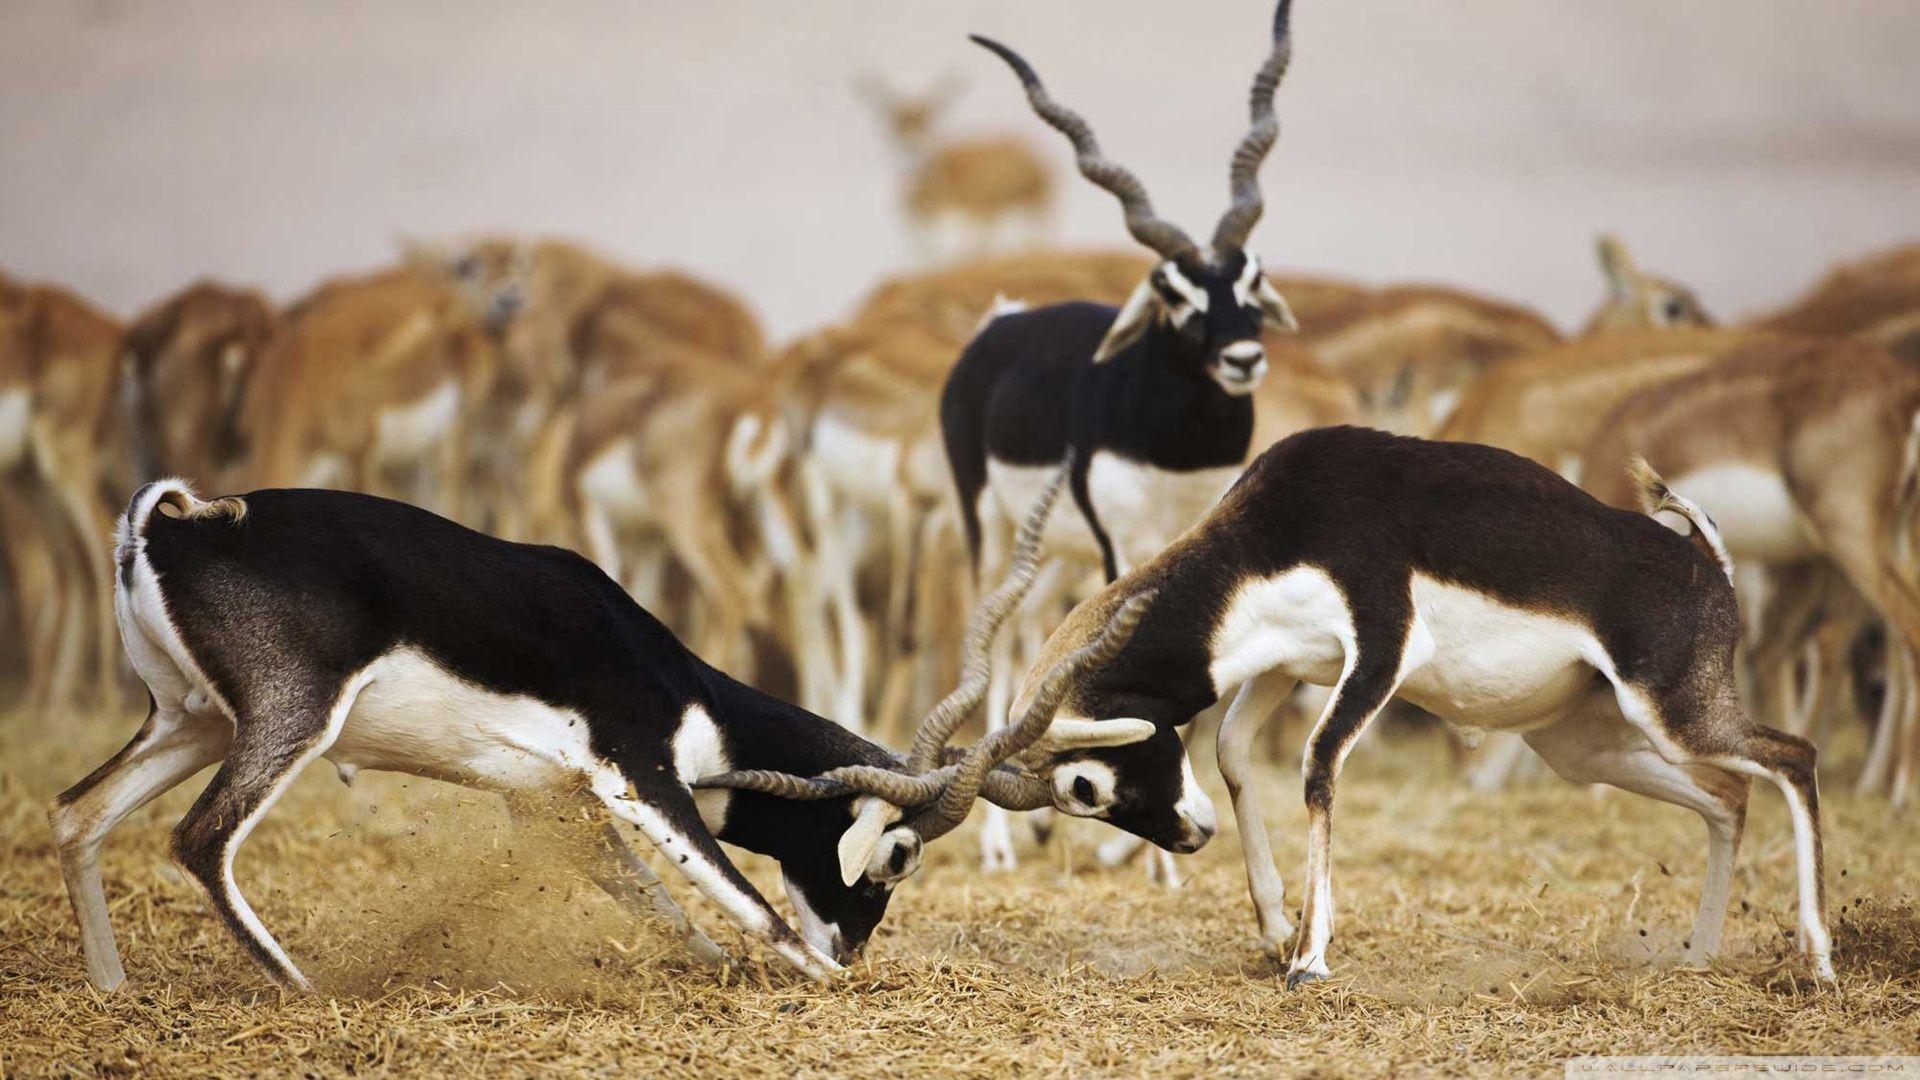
[15,412]
[1011,492]
[414,716]
[861,467]
[1496,666]
[1144,508]
[1756,513]
[612,482]
[1489,665]
[406,433]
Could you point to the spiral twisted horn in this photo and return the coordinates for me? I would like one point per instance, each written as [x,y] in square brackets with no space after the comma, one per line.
[1243,176]
[1146,226]
[1004,787]
[986,755]
[976,664]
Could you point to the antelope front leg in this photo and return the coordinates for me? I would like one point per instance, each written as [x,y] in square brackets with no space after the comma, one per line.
[1257,700]
[1375,666]
[666,813]
[609,863]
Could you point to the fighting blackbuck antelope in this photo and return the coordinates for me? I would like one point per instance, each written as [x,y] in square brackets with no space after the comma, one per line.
[1468,581]
[1151,401]
[1805,450]
[979,185]
[283,626]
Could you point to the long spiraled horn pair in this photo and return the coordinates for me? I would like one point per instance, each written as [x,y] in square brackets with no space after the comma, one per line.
[984,758]
[1004,787]
[1243,176]
[917,781]
[1148,227]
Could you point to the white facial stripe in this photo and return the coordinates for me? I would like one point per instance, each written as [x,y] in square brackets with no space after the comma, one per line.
[1196,297]
[697,752]
[1244,288]
[1194,805]
[817,932]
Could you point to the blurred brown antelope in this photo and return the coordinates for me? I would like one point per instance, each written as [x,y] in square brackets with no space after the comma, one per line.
[1876,298]
[1637,300]
[61,455]
[373,383]
[187,363]
[1801,448]
[982,184]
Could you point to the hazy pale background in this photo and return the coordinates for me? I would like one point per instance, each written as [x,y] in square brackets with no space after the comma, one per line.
[1739,144]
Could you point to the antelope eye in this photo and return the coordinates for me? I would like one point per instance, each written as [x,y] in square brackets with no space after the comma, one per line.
[1676,309]
[1083,790]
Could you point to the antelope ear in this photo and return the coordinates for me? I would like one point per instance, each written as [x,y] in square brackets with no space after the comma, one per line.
[420,251]
[1273,307]
[858,843]
[1092,734]
[1139,311]
[1616,266]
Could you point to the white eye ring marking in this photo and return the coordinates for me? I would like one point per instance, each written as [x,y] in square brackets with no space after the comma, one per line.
[1098,775]
[1244,288]
[1196,298]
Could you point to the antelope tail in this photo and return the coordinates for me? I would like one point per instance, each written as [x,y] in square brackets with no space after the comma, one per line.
[1656,496]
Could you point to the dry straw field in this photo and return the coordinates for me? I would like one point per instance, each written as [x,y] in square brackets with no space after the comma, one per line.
[1477,933]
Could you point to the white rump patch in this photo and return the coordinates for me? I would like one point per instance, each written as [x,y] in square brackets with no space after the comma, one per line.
[1751,506]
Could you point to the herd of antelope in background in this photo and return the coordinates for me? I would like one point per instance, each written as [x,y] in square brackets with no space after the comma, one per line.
[790,510]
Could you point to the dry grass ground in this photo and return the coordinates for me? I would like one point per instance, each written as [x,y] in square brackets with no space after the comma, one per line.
[1477,935]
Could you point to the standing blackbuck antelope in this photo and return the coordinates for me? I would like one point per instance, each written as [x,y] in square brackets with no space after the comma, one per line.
[287,625]
[1152,399]
[1471,582]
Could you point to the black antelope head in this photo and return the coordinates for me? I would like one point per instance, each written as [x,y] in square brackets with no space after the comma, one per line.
[1214,301]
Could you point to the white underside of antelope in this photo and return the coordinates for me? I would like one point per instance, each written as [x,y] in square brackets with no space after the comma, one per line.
[406,433]
[612,483]
[403,712]
[1156,505]
[1471,659]
[16,414]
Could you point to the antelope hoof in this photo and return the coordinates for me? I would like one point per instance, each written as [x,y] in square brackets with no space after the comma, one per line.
[1041,823]
[705,952]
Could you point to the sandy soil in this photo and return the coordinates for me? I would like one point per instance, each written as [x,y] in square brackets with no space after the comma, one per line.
[1509,931]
